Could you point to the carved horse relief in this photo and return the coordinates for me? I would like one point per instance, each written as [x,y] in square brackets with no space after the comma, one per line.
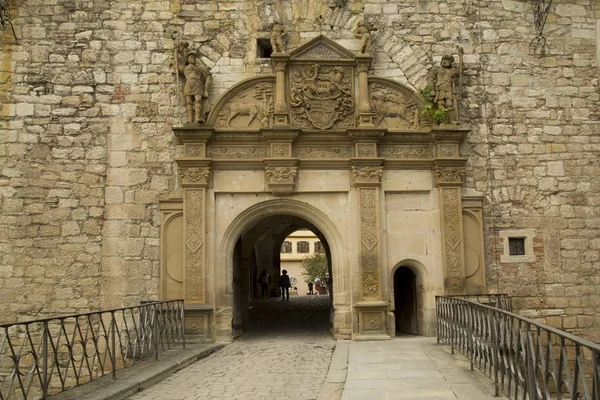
[250,108]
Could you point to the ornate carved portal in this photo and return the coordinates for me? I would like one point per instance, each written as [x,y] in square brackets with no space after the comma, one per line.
[323,132]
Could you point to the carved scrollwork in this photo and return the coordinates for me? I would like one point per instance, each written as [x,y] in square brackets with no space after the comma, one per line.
[372,322]
[448,150]
[449,174]
[367,174]
[310,152]
[404,152]
[195,150]
[282,174]
[236,153]
[322,97]
[194,175]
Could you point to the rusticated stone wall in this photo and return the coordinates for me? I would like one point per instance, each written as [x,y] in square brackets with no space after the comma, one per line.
[88,99]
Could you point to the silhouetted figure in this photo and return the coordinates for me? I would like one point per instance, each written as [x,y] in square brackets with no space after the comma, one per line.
[263,280]
[310,288]
[284,284]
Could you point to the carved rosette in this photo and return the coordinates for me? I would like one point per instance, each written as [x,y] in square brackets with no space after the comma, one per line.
[367,175]
[281,150]
[194,289]
[448,151]
[281,180]
[449,175]
[194,176]
[453,240]
[366,150]
[195,150]
[369,237]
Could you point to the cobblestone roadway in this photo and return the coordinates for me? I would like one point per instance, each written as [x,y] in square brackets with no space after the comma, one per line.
[285,356]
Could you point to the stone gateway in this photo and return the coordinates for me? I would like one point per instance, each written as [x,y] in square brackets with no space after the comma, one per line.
[165,149]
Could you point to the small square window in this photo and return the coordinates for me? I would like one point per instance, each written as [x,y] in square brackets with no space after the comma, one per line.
[263,48]
[303,247]
[516,246]
[286,247]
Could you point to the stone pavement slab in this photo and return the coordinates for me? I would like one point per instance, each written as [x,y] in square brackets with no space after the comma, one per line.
[411,367]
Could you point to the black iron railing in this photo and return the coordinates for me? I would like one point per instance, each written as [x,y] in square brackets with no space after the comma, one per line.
[43,357]
[525,359]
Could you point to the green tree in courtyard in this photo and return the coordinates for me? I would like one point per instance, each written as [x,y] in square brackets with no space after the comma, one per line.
[315,265]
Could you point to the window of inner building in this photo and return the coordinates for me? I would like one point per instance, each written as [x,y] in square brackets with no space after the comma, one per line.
[516,246]
[318,247]
[263,48]
[286,247]
[303,247]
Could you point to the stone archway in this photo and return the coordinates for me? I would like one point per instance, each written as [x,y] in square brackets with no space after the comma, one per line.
[285,212]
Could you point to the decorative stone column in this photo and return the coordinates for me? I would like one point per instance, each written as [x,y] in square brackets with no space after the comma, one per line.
[281,111]
[449,178]
[194,179]
[365,115]
[367,170]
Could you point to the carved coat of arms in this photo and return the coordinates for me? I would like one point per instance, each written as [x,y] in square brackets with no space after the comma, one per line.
[321,97]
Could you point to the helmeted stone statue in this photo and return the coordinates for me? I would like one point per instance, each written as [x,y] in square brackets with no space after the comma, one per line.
[197,82]
[442,81]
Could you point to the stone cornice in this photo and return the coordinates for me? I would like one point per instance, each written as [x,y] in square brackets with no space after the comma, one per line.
[192,134]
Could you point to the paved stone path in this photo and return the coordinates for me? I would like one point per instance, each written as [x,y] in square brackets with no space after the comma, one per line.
[412,367]
[287,355]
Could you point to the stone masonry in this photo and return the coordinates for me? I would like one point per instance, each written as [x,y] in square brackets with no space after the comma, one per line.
[88,99]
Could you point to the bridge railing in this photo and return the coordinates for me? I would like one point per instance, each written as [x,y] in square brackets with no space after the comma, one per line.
[47,356]
[525,359]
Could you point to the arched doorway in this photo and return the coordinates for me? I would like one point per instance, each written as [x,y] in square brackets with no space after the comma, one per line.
[253,242]
[406,301]
[259,249]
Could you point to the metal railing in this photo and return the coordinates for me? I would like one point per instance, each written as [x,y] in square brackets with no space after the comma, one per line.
[501,301]
[525,359]
[47,356]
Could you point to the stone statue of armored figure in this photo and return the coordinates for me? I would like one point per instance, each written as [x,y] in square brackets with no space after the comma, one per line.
[197,83]
[363,33]
[442,80]
[276,38]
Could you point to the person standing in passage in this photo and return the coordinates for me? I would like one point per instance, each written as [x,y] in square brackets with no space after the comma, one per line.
[263,280]
[284,284]
[318,285]
[310,288]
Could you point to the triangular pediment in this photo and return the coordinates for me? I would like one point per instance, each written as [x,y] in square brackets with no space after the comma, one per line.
[321,48]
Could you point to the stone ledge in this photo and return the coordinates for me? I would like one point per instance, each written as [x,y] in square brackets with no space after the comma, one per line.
[139,376]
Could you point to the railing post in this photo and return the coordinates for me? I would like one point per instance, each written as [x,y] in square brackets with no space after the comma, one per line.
[113,345]
[596,375]
[156,331]
[494,338]
[470,339]
[182,305]
[531,389]
[45,360]
[437,319]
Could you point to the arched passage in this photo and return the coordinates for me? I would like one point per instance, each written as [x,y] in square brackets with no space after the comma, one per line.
[252,242]
[408,295]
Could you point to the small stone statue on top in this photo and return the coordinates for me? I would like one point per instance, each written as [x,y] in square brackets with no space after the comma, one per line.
[441,80]
[197,82]
[276,38]
[363,33]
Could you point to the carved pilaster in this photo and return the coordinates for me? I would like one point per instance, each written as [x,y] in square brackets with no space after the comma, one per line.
[279,62]
[194,203]
[194,177]
[452,240]
[369,239]
[449,175]
[365,115]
